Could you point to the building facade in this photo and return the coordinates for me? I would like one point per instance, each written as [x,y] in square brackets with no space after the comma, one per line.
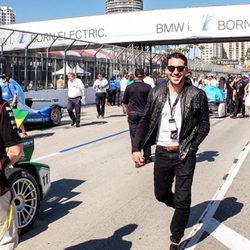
[116,6]
[7,15]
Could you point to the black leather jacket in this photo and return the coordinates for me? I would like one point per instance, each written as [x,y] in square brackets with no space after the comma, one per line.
[195,119]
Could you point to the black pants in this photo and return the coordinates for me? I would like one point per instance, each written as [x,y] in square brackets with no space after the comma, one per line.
[100,103]
[239,106]
[113,97]
[167,166]
[133,120]
[230,104]
[74,103]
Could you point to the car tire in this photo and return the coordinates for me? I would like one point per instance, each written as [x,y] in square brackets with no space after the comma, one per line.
[26,197]
[55,116]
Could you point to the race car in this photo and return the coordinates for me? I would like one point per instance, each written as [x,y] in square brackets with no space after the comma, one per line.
[216,101]
[30,182]
[49,115]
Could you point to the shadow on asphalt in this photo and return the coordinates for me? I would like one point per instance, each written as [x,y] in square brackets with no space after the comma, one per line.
[228,208]
[84,124]
[114,242]
[122,115]
[42,135]
[56,205]
[207,156]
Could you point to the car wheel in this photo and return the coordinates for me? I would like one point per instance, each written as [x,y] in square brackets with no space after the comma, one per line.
[55,116]
[26,197]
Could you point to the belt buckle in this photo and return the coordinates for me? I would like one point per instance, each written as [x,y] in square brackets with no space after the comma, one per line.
[171,148]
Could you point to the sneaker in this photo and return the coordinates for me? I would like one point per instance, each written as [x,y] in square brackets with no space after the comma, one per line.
[102,116]
[98,116]
[241,116]
[174,246]
[73,123]
[77,125]
[233,116]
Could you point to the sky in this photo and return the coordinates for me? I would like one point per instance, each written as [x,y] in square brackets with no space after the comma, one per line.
[38,10]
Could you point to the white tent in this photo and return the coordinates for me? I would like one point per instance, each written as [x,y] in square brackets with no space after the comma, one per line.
[61,71]
[79,71]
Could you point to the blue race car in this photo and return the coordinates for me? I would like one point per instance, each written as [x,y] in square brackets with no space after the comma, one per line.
[50,115]
[216,100]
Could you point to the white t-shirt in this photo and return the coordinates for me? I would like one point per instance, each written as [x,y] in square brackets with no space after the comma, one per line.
[75,88]
[123,83]
[163,136]
[100,86]
[149,80]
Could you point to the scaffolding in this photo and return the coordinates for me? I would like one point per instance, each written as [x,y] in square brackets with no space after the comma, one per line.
[37,60]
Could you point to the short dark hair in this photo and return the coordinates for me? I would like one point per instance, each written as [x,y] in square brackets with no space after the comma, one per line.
[139,73]
[177,55]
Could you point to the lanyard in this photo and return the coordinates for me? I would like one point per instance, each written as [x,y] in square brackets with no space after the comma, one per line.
[172,108]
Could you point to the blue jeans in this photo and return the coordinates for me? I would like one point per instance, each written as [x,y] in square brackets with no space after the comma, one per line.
[168,166]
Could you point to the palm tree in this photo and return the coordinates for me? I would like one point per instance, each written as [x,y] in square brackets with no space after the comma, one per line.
[201,47]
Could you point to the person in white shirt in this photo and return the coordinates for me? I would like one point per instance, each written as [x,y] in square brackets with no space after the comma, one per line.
[75,94]
[123,85]
[149,80]
[100,86]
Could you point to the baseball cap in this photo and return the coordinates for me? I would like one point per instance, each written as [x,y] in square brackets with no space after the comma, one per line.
[2,76]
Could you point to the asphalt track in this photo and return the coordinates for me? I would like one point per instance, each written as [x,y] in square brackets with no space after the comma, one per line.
[99,200]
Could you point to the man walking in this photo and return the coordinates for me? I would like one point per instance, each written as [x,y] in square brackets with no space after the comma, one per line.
[134,101]
[100,86]
[75,94]
[9,137]
[176,118]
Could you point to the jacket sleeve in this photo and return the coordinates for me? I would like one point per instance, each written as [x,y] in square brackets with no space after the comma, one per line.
[204,125]
[143,126]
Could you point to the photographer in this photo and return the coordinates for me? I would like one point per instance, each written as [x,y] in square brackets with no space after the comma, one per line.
[9,138]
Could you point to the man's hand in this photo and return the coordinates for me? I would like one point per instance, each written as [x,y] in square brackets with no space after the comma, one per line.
[138,159]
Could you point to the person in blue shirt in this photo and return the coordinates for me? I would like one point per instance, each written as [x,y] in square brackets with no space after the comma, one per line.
[118,91]
[9,94]
[112,90]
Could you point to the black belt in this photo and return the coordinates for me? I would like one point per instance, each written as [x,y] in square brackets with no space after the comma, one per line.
[169,148]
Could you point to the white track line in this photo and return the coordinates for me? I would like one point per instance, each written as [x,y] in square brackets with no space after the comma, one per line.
[227,236]
[210,210]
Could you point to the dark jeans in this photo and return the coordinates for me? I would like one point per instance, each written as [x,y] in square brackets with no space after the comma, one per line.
[133,120]
[167,166]
[239,105]
[100,103]
[230,104]
[74,103]
[113,97]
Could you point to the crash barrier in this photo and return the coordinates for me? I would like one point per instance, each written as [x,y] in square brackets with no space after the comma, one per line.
[61,95]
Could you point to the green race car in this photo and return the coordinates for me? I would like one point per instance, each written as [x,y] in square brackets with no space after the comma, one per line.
[30,182]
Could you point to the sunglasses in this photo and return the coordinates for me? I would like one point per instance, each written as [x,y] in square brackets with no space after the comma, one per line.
[179,68]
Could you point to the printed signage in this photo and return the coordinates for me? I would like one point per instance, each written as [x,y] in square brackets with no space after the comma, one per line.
[227,62]
[188,24]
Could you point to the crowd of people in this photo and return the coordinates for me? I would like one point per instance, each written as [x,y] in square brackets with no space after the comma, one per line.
[235,87]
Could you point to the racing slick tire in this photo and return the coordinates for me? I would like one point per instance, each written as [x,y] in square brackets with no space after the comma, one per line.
[55,116]
[26,197]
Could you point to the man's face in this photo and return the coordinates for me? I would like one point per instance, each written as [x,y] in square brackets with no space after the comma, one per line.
[4,80]
[176,71]
[239,78]
[71,77]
